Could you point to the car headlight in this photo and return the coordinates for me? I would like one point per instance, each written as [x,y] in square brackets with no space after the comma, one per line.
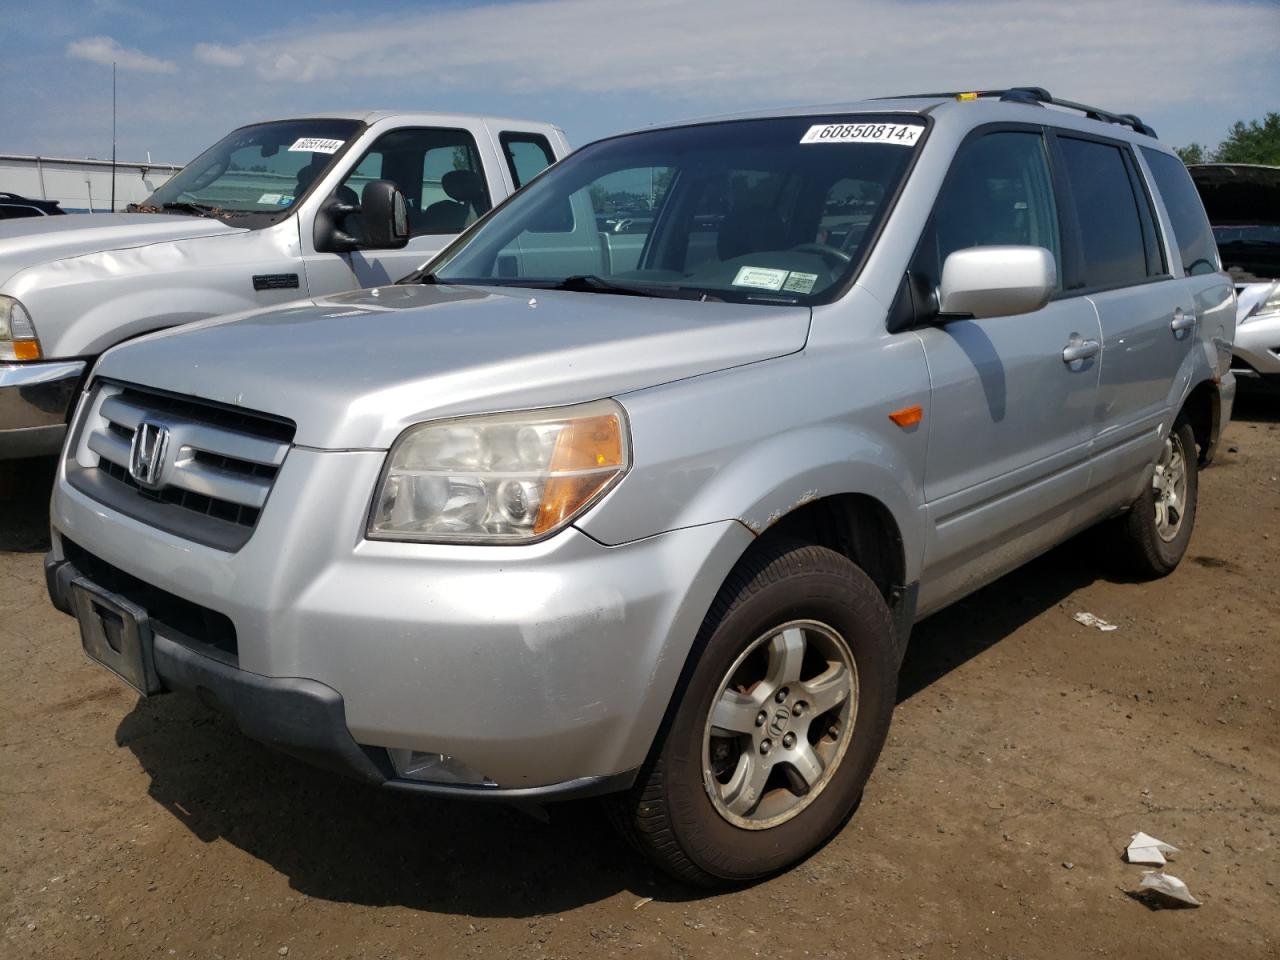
[1268,306]
[502,478]
[17,332]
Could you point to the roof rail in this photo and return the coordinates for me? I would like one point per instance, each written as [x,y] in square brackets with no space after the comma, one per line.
[1034,95]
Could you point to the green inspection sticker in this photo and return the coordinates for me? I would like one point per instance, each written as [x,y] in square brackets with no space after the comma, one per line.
[800,282]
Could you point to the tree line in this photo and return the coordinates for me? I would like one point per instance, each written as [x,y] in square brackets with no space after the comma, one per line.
[1252,142]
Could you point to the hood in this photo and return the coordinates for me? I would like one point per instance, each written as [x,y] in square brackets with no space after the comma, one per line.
[36,240]
[1238,193]
[356,369]
[1243,204]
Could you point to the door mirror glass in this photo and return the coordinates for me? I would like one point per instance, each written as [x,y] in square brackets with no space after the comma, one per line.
[385,216]
[996,281]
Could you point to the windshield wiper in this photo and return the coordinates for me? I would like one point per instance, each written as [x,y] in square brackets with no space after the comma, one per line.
[590,283]
[186,206]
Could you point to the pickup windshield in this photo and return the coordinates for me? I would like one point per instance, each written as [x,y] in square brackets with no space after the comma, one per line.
[260,169]
[771,210]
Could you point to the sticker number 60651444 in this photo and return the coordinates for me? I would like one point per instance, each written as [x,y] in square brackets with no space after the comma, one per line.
[903,134]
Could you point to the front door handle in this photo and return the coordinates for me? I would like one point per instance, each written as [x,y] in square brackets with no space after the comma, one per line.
[1181,321]
[1080,350]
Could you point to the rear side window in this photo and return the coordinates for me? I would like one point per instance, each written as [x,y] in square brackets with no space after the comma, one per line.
[1114,235]
[1196,246]
[528,154]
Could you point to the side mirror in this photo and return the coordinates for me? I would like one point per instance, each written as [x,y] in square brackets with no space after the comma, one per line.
[380,222]
[996,281]
[385,215]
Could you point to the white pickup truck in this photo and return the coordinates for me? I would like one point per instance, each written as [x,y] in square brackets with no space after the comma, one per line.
[273,212]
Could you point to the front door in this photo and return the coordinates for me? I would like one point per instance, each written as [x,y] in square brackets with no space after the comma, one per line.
[1011,413]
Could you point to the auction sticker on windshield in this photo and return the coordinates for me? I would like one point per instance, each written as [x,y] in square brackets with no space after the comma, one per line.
[763,278]
[315,145]
[902,134]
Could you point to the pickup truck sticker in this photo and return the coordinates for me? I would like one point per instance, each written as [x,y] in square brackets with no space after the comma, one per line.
[763,278]
[902,134]
[315,145]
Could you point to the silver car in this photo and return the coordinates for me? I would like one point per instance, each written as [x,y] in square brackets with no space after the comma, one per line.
[652,513]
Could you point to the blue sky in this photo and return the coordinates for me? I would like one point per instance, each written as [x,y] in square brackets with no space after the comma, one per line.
[190,72]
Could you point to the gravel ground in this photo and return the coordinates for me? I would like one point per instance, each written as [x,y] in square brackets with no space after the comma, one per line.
[1025,750]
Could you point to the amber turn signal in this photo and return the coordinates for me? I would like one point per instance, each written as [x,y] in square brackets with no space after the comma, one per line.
[908,416]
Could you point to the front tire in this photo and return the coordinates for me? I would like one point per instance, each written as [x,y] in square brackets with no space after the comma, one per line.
[1156,531]
[779,726]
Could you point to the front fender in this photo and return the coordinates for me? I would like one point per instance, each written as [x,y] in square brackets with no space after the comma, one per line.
[755,443]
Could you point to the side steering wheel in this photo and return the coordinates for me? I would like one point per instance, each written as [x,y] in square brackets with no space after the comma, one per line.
[834,255]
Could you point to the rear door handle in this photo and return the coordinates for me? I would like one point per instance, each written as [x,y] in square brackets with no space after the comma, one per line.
[1181,321]
[1080,350]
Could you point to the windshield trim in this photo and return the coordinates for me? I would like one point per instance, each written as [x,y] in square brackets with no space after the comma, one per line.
[829,295]
[258,219]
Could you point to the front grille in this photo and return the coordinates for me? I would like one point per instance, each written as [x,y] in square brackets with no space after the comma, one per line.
[180,620]
[214,473]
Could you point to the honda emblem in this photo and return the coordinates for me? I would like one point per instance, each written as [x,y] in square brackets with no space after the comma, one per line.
[147,453]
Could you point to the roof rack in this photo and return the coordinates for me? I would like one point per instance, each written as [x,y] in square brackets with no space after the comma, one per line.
[1038,96]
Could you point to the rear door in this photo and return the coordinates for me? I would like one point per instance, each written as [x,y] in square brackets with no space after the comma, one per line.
[1010,419]
[1147,318]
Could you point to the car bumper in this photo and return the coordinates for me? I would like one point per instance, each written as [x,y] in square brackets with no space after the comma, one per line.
[35,400]
[1257,344]
[547,668]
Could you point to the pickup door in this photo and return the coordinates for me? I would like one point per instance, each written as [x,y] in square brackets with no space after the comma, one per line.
[450,177]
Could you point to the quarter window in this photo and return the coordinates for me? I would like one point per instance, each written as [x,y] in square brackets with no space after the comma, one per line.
[1196,246]
[1113,242]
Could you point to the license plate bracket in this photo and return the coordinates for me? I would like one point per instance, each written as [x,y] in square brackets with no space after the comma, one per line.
[116,634]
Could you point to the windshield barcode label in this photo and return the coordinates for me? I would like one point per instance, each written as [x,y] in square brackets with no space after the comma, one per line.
[903,134]
[315,145]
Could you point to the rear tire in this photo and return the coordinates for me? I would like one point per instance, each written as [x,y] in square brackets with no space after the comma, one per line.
[797,667]
[1156,531]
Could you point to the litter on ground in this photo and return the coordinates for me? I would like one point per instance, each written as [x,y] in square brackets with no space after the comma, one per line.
[1089,620]
[1147,849]
[1166,884]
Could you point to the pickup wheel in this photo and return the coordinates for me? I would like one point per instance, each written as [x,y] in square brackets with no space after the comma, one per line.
[779,726]
[1157,529]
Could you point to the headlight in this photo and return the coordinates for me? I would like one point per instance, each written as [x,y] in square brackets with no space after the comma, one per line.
[17,333]
[1269,305]
[505,478]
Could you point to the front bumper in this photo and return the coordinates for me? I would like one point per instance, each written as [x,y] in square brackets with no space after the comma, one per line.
[547,668]
[35,401]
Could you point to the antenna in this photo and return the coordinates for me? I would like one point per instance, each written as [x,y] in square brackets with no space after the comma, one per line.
[113,136]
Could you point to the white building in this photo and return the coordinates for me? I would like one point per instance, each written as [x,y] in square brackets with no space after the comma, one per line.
[81,186]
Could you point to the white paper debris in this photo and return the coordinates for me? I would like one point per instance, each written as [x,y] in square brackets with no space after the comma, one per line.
[1089,620]
[1147,849]
[1168,885]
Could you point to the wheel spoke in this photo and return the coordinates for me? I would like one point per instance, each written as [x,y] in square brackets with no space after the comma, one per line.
[804,767]
[734,713]
[786,654]
[828,690]
[1162,513]
[742,793]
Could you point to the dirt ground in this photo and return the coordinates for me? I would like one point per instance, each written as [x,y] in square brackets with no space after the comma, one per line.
[1025,750]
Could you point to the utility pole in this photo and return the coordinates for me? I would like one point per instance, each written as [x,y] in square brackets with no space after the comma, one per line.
[113,136]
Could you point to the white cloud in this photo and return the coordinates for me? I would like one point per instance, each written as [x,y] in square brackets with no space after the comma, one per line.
[106,51]
[761,51]
[217,55]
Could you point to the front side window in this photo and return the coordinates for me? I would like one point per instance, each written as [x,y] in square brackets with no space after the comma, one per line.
[1186,212]
[438,171]
[774,210]
[260,169]
[998,192]
[1113,240]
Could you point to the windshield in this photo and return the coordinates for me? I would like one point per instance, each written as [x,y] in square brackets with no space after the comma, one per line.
[774,210]
[262,168]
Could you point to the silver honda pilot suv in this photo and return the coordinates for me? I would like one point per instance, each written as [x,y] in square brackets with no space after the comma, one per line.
[651,512]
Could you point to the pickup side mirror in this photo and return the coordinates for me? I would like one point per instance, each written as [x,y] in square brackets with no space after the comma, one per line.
[380,222]
[385,215]
[996,281]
